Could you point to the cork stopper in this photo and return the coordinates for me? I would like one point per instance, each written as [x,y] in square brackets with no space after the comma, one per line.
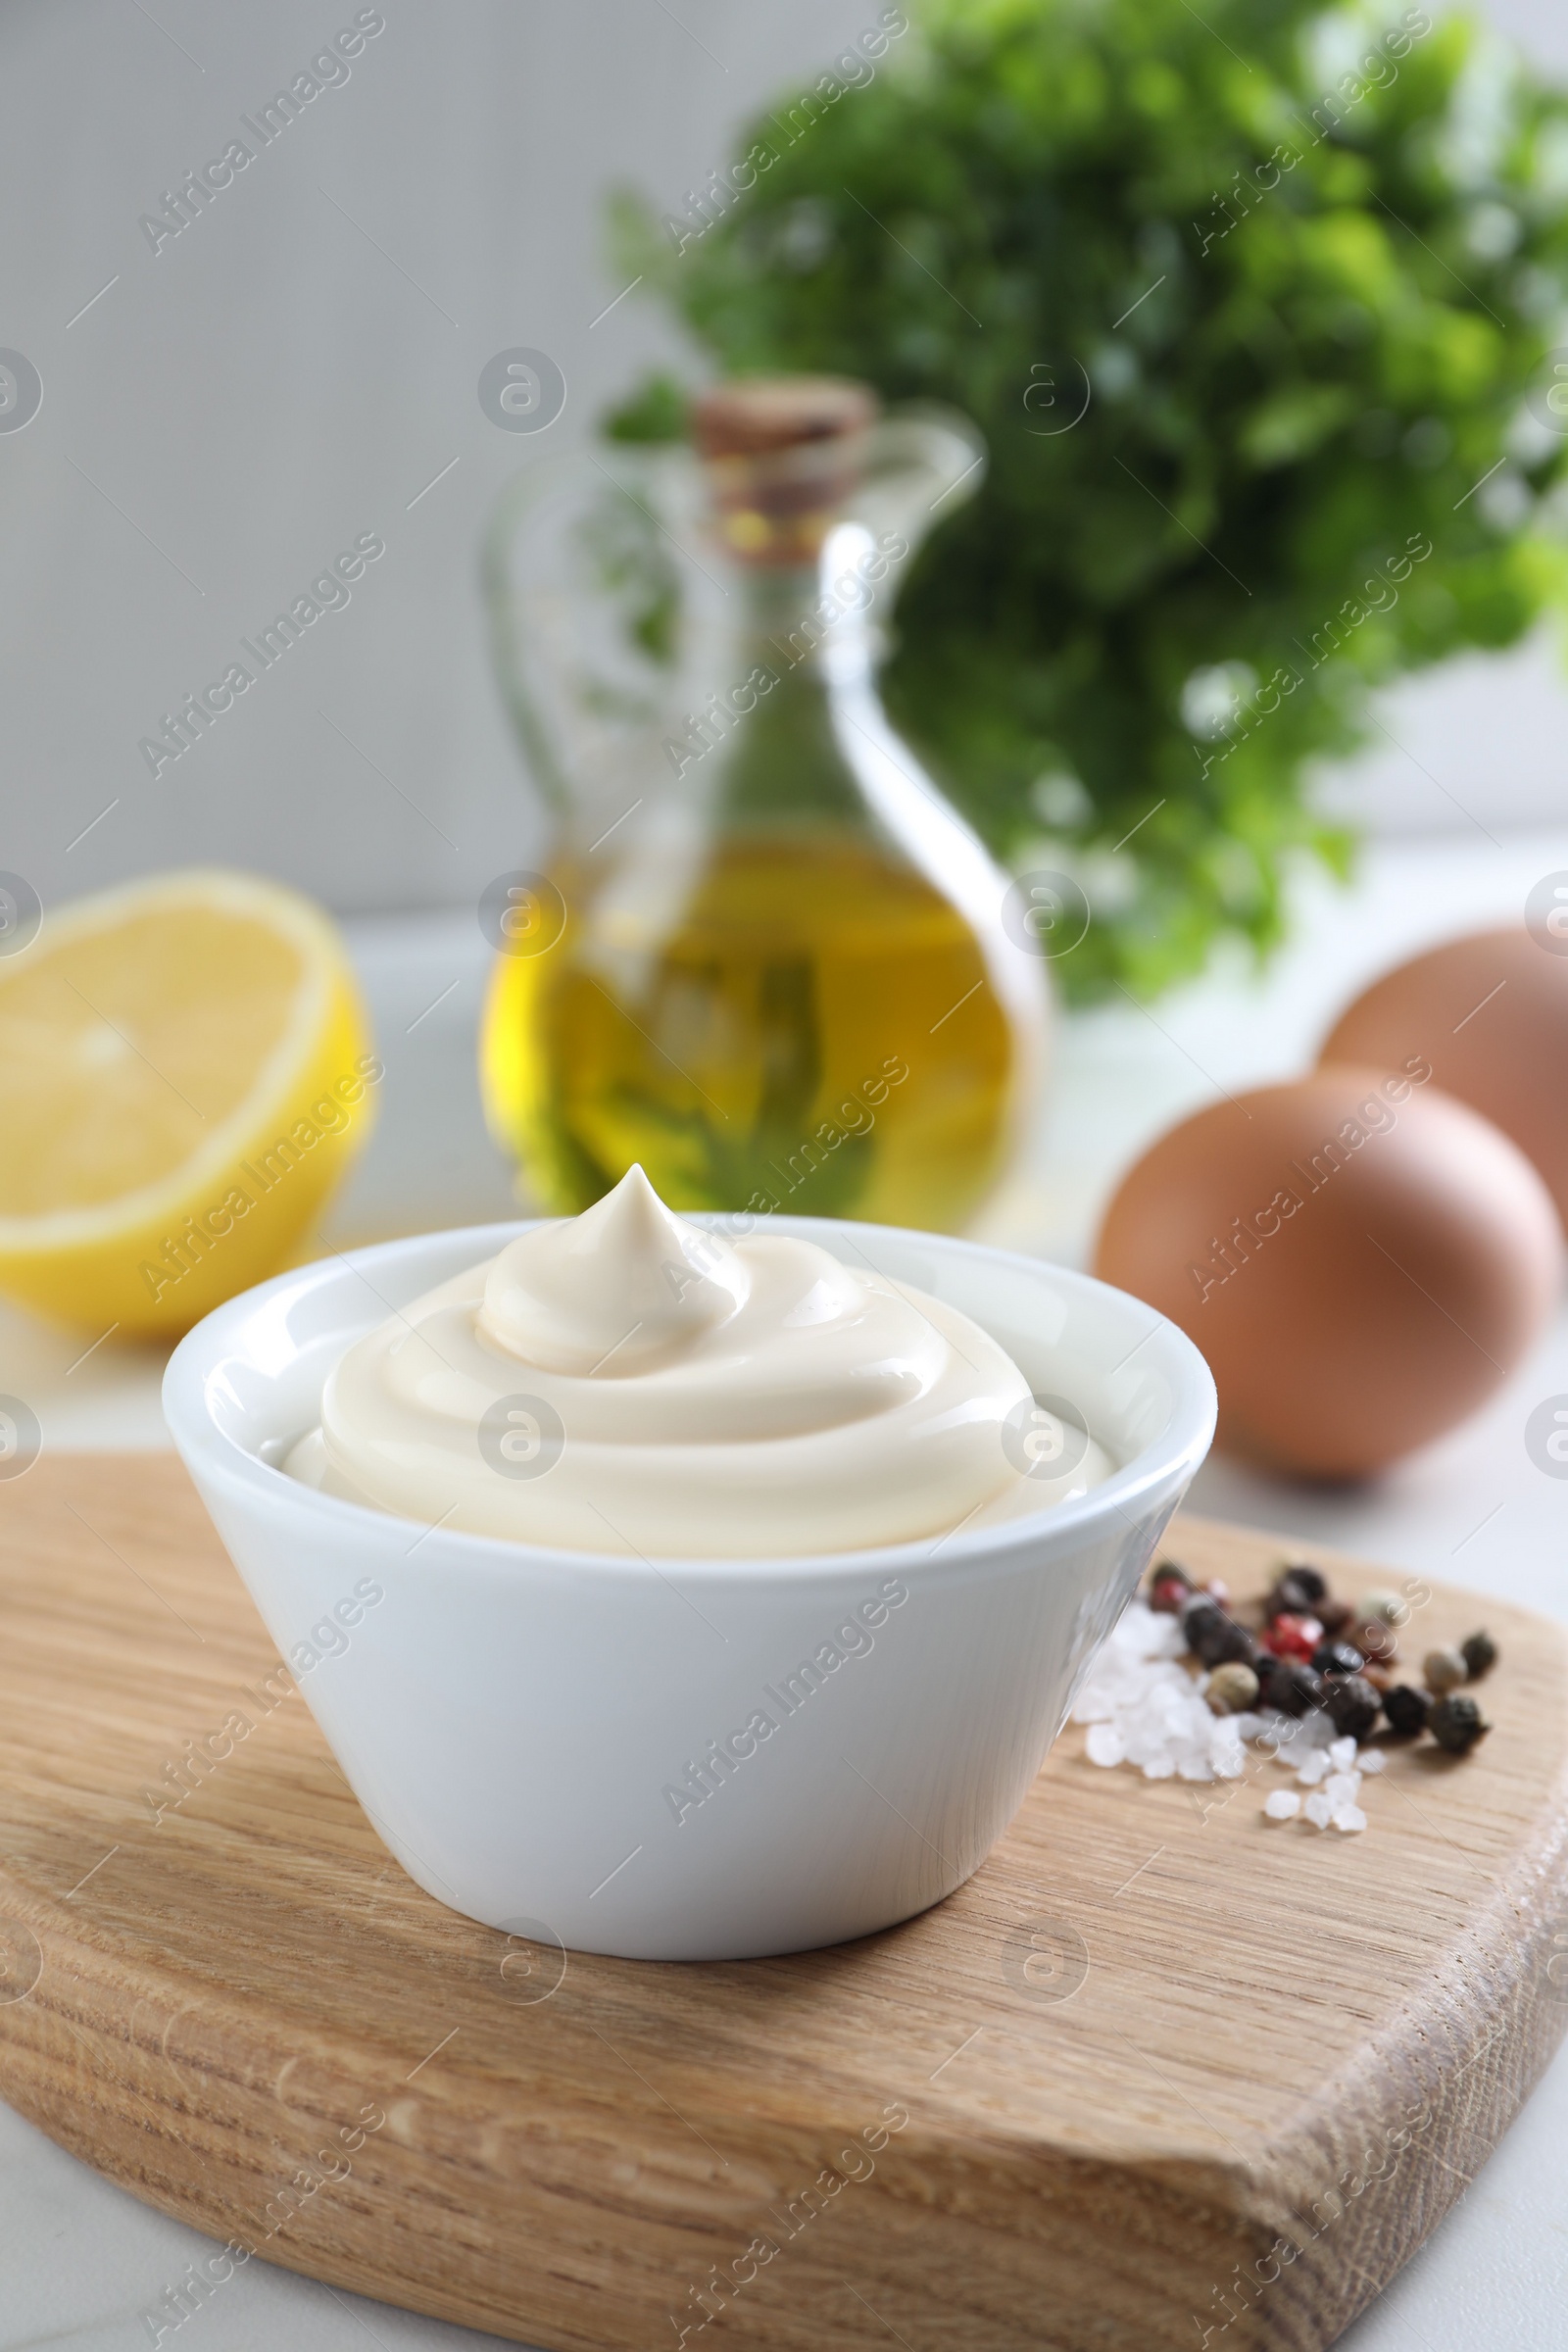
[755,414]
[783,453]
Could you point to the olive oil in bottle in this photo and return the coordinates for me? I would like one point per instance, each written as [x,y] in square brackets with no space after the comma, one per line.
[781,981]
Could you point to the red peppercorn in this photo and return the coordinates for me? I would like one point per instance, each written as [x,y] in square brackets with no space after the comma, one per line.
[1294,1638]
[1167,1573]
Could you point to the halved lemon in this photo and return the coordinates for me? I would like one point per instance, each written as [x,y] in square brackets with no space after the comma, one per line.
[185,1073]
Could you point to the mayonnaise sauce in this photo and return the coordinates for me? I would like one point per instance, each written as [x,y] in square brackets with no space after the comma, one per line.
[623,1382]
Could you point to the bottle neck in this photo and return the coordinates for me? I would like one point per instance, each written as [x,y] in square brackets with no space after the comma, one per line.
[817,621]
[775,743]
[804,658]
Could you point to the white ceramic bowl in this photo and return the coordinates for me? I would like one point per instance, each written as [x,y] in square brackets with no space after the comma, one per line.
[525,1728]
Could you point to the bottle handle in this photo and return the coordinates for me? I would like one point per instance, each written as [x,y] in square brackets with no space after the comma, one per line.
[923,464]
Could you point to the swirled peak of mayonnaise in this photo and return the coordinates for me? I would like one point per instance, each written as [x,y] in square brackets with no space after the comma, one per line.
[623,1382]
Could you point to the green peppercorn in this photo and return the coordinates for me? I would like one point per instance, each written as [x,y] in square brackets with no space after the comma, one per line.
[1457,1723]
[1232,1688]
[1407,1709]
[1444,1670]
[1479,1653]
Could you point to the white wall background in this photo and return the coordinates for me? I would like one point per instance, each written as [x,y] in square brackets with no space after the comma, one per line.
[298,365]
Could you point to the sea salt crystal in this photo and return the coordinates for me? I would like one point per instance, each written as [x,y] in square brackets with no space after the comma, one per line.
[1372,1759]
[1143,1706]
[1296,1737]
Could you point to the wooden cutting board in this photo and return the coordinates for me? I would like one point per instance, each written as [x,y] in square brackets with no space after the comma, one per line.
[1081,2104]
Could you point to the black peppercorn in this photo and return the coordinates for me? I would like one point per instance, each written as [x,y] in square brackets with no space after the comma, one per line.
[1264,1666]
[1352,1704]
[1480,1654]
[1457,1723]
[1213,1638]
[1288,1688]
[1407,1709]
[1298,1591]
[1338,1657]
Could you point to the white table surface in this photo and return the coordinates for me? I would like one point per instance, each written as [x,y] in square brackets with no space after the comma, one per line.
[81,2262]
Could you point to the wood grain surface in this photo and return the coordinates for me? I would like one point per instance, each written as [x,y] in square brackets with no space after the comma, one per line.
[1158,2075]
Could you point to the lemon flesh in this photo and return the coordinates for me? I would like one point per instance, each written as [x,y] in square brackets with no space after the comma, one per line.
[185,1073]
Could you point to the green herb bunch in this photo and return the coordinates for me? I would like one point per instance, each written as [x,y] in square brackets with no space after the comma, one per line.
[1257,313]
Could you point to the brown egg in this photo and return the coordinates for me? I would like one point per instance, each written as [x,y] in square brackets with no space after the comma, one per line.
[1490,1014]
[1361,1259]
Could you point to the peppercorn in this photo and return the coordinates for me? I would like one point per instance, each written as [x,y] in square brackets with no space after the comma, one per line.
[1232,1688]
[1407,1709]
[1288,1686]
[1296,1592]
[1457,1723]
[1312,1581]
[1292,1637]
[1372,1637]
[1338,1657]
[1444,1670]
[1381,1677]
[1387,1607]
[1333,1615]
[1212,1636]
[1354,1706]
[1168,1593]
[1479,1653]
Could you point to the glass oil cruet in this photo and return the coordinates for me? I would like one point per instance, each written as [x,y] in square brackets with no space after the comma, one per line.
[766,959]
